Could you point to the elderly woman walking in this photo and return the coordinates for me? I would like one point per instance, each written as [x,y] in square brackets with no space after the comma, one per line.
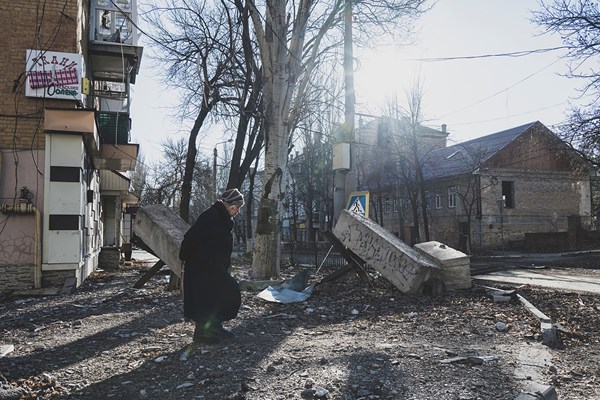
[210,294]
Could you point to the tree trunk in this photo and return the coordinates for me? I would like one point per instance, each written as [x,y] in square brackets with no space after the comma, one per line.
[423,203]
[281,61]
[190,164]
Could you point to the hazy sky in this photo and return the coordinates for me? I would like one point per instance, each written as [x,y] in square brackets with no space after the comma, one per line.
[474,97]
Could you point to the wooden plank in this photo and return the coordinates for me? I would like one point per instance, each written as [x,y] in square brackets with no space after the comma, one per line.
[354,261]
[149,274]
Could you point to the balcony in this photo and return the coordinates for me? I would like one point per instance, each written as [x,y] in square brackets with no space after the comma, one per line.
[114,153]
[113,127]
[77,121]
[113,51]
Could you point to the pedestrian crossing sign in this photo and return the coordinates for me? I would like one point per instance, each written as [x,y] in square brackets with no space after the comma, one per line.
[359,203]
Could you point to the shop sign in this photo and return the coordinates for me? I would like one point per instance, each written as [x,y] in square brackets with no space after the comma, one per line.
[53,75]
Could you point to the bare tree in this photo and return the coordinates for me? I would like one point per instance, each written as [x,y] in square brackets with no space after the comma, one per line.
[311,172]
[208,55]
[469,186]
[410,150]
[140,176]
[163,183]
[291,37]
[577,23]
[164,178]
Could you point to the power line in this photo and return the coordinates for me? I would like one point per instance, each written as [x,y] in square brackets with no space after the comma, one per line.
[501,91]
[520,53]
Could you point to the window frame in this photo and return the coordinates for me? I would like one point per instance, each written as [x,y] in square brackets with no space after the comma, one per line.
[452,197]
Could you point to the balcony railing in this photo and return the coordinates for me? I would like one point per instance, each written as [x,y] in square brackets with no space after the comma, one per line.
[114,127]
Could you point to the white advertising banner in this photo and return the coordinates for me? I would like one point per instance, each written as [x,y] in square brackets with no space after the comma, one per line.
[53,75]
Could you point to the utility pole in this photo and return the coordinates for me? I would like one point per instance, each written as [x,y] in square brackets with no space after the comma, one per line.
[214,171]
[345,171]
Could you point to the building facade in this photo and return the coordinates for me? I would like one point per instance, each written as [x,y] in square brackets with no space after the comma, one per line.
[67,68]
[489,192]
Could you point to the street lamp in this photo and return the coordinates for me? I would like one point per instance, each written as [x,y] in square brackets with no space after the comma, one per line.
[215,168]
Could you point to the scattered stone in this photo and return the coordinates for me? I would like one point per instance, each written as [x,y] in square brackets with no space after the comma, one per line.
[498,298]
[471,360]
[545,393]
[6,349]
[501,326]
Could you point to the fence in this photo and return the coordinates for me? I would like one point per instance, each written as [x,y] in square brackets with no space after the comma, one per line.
[311,253]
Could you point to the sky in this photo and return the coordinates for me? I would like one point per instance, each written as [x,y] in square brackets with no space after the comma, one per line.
[473,97]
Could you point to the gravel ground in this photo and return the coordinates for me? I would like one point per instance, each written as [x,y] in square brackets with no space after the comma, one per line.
[347,341]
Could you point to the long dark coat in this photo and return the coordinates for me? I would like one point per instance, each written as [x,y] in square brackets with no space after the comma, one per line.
[209,291]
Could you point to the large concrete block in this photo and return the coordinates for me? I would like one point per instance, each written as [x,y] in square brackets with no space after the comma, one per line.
[162,230]
[456,265]
[396,261]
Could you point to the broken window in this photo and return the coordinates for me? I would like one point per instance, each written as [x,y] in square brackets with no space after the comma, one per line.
[113,21]
[508,194]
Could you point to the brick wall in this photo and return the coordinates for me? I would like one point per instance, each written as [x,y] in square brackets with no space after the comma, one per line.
[16,277]
[24,25]
[57,278]
[543,202]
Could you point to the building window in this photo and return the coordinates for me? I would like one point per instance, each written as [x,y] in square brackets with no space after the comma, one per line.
[64,222]
[508,194]
[113,21]
[386,205]
[452,197]
[65,174]
[395,206]
[428,200]
[438,201]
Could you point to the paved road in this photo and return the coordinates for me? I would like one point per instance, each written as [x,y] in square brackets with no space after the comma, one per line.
[561,271]
[547,278]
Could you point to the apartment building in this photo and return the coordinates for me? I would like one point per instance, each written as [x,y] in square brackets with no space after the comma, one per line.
[67,69]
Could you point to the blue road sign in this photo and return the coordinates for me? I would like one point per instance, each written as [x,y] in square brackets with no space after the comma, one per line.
[359,203]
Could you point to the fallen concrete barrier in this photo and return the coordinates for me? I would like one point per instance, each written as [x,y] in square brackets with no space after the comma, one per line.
[162,231]
[396,261]
[547,328]
[455,265]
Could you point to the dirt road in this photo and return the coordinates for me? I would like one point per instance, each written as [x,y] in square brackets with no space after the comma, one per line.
[348,341]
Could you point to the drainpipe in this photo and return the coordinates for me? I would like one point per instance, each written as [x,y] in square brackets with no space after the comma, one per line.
[24,209]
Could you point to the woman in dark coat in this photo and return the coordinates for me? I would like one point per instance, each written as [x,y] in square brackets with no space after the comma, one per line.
[210,294]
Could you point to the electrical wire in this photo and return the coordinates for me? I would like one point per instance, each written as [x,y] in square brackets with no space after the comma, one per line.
[520,53]
[501,91]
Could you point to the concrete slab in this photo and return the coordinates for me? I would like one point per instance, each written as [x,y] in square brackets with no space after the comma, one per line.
[531,363]
[456,271]
[162,230]
[395,260]
[546,278]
